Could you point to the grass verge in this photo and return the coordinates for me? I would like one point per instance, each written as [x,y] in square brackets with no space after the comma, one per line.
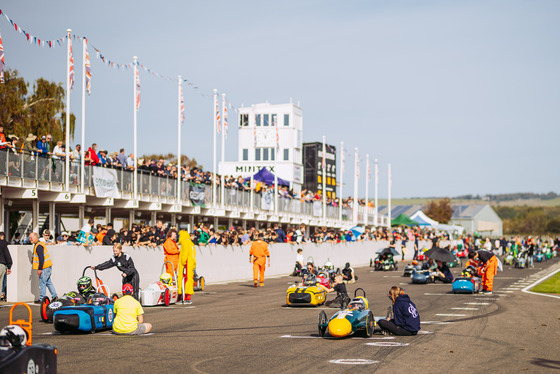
[551,285]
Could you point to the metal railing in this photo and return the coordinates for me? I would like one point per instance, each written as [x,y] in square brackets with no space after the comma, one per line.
[23,165]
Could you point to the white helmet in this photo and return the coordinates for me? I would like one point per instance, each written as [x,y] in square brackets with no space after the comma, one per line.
[13,336]
[329,265]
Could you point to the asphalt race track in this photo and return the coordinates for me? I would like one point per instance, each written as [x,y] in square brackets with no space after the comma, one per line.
[236,328]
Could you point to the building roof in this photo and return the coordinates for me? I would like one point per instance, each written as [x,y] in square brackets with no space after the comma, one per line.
[466,211]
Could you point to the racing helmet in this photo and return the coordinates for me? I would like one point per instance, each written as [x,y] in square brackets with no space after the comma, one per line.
[13,336]
[166,278]
[358,303]
[98,299]
[310,280]
[470,270]
[329,266]
[84,285]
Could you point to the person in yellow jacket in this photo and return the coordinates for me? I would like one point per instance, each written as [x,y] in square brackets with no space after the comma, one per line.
[187,264]
[43,264]
[171,250]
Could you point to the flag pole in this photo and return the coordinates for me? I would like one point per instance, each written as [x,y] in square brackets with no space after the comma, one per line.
[389,195]
[366,215]
[135,150]
[356,173]
[179,97]
[67,132]
[340,198]
[323,179]
[375,212]
[222,178]
[254,150]
[276,170]
[214,192]
[82,159]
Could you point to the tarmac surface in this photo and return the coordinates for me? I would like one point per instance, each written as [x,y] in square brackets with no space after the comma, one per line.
[236,328]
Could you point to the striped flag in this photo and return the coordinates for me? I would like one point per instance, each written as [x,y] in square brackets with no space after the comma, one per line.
[2,61]
[225,121]
[137,78]
[368,170]
[218,128]
[275,124]
[342,159]
[88,69]
[70,66]
[182,101]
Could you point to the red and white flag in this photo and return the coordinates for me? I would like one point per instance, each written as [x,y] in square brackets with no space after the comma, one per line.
[225,121]
[218,127]
[275,124]
[70,65]
[137,79]
[88,69]
[182,101]
[368,170]
[2,61]
[342,159]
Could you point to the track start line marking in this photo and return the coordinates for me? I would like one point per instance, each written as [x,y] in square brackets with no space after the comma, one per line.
[388,344]
[353,361]
[435,323]
[477,303]
[465,308]
[450,315]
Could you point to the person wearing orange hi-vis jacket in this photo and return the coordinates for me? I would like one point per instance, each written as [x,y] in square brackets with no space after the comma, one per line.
[489,268]
[258,255]
[187,264]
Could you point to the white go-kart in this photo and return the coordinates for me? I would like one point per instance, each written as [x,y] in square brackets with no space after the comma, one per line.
[162,292]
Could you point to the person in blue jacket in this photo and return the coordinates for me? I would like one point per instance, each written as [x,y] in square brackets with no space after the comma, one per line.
[406,319]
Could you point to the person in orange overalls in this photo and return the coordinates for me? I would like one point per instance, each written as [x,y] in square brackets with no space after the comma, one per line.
[489,268]
[171,250]
[257,255]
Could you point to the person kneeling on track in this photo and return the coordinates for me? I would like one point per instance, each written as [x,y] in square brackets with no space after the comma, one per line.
[489,268]
[129,319]
[124,263]
[341,293]
[406,319]
[442,273]
[348,274]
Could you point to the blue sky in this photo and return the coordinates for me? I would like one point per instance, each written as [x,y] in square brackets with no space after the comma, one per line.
[461,97]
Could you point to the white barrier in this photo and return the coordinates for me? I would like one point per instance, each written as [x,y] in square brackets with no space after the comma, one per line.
[215,263]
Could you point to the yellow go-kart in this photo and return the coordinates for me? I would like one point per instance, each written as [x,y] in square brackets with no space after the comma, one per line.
[308,293]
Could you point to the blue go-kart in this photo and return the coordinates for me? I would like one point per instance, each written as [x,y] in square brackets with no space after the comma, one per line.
[97,315]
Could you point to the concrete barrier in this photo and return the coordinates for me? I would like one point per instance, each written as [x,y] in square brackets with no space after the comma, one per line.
[215,263]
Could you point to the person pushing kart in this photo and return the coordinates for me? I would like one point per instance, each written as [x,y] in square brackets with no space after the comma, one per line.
[341,294]
[124,263]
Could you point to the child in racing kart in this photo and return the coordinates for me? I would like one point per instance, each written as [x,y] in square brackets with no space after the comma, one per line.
[85,287]
[342,297]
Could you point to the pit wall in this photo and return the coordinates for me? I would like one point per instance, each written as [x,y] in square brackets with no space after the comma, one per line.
[215,263]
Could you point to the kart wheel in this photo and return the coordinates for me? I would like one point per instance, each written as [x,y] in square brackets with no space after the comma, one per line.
[44,304]
[370,324]
[201,280]
[114,297]
[322,323]
[166,297]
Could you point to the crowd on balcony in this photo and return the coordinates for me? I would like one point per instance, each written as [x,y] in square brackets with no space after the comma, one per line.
[43,147]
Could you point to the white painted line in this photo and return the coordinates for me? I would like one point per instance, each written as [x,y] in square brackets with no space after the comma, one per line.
[384,338]
[388,344]
[422,332]
[465,308]
[476,303]
[300,337]
[450,315]
[439,294]
[503,291]
[392,276]
[526,289]
[511,289]
[353,361]
[435,323]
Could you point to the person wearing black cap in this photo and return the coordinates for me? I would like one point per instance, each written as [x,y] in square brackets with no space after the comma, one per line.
[108,238]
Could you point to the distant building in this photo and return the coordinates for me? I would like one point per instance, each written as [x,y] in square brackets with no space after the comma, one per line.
[257,143]
[480,218]
[313,168]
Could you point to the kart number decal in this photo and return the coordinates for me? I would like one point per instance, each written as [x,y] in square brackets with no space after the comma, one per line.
[342,315]
[55,305]
[110,315]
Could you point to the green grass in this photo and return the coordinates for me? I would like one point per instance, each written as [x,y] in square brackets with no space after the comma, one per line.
[551,285]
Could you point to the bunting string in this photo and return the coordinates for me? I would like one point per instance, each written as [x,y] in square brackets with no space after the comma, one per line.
[52,43]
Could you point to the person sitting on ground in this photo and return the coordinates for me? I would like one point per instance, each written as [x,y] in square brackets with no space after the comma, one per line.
[348,274]
[406,319]
[341,293]
[442,273]
[129,319]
